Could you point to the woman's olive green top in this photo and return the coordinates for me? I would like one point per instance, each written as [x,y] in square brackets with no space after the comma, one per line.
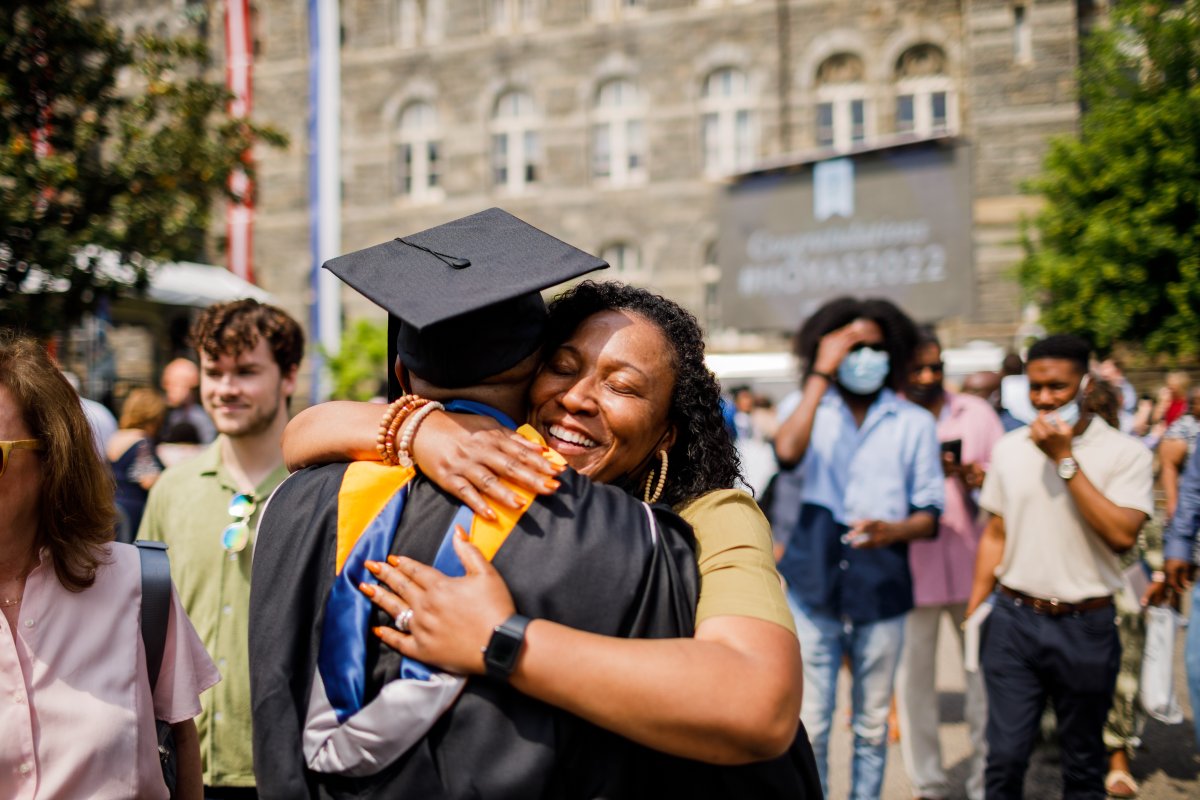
[736,559]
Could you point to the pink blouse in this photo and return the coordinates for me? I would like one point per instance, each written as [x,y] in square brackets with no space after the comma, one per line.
[76,710]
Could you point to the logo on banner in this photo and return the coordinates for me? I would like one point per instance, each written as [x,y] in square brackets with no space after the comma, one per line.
[833,189]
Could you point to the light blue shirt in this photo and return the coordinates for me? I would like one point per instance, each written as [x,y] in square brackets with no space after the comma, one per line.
[883,470]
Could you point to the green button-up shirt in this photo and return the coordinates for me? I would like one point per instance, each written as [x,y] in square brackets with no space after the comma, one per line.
[188,508]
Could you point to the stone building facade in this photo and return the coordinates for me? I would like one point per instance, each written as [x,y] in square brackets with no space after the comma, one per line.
[615,124]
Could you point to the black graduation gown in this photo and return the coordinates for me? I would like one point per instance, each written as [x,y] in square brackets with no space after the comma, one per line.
[585,557]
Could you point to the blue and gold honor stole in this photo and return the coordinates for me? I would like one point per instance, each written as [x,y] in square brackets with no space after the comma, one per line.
[370,502]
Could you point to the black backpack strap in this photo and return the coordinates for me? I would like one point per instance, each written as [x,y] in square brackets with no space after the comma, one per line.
[156,603]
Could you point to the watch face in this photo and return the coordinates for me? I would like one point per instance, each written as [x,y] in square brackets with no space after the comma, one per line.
[502,650]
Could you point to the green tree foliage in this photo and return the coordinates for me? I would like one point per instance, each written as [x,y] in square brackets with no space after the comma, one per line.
[105,145]
[357,368]
[1116,255]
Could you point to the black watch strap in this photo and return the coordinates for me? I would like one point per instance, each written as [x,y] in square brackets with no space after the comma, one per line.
[500,655]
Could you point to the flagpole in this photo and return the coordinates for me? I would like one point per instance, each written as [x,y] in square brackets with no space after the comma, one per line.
[239,217]
[325,201]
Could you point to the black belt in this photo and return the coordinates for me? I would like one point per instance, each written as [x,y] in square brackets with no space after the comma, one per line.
[230,793]
[1053,607]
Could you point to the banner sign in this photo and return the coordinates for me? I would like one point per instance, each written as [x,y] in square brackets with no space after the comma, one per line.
[893,223]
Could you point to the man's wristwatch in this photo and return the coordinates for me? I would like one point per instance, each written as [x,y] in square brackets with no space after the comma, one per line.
[1067,468]
[500,655]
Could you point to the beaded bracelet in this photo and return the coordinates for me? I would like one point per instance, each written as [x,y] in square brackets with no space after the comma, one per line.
[389,439]
[385,423]
[403,457]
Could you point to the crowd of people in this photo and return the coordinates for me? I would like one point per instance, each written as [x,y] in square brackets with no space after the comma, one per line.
[536,572]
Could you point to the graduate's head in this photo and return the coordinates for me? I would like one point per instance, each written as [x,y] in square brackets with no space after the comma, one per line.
[624,380]
[465,302]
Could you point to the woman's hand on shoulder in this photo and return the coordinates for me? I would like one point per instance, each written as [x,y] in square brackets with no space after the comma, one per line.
[452,618]
[470,456]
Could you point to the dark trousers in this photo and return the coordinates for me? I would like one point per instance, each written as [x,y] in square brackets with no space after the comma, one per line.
[1072,659]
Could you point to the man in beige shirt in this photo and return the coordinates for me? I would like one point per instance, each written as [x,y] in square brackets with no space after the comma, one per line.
[1066,495]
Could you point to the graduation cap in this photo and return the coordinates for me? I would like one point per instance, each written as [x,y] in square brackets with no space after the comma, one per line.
[464,298]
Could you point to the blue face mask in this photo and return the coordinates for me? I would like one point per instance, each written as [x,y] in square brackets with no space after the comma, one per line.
[864,371]
[1069,411]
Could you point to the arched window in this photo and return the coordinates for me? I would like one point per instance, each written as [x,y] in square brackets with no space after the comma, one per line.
[925,99]
[728,133]
[516,147]
[418,22]
[841,111]
[418,154]
[619,135]
[625,260]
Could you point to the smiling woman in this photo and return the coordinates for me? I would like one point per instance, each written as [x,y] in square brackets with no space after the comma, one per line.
[624,395]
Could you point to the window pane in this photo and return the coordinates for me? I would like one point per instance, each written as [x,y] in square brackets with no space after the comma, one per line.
[636,142]
[500,159]
[858,128]
[824,124]
[500,20]
[905,121]
[710,141]
[743,138]
[601,152]
[531,156]
[408,23]
[432,150]
[404,169]
[938,101]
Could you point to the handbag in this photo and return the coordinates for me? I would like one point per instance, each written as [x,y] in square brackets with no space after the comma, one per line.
[1157,690]
[156,609]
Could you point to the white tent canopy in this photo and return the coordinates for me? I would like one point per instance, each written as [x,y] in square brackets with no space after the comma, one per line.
[175,283]
[184,283]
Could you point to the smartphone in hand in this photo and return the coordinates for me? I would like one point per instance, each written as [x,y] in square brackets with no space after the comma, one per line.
[954,448]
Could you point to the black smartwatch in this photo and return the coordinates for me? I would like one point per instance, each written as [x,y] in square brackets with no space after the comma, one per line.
[500,655]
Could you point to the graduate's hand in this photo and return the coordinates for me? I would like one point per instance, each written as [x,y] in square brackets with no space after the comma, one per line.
[453,618]
[469,454]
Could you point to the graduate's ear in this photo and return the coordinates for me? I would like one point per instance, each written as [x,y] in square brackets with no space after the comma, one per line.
[402,376]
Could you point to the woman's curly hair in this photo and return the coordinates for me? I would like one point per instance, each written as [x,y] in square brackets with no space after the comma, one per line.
[703,457]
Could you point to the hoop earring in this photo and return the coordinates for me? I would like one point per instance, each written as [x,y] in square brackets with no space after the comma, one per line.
[662,480]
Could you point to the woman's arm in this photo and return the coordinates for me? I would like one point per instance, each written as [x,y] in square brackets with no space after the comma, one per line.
[730,695]
[340,430]
[189,780]
[465,454]
[1171,454]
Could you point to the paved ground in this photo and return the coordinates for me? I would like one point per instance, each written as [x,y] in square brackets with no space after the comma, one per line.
[1167,767]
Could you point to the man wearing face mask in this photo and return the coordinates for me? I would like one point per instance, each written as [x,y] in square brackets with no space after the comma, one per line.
[1066,495]
[872,482]
[942,570]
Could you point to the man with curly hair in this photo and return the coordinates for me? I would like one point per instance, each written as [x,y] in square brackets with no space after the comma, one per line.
[872,483]
[207,510]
